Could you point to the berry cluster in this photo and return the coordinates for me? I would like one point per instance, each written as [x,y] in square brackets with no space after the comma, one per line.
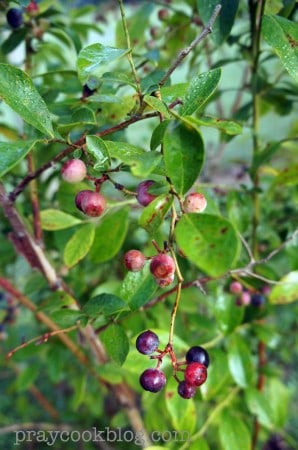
[246,296]
[154,379]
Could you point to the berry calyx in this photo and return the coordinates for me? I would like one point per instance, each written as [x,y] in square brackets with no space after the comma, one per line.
[185,390]
[194,203]
[152,380]
[162,266]
[257,300]
[134,260]
[14,17]
[163,282]
[236,287]
[147,342]
[73,171]
[90,203]
[198,354]
[195,374]
[143,196]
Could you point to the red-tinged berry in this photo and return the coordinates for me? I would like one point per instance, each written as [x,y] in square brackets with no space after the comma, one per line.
[152,380]
[90,203]
[162,266]
[163,282]
[134,260]
[163,14]
[245,298]
[32,9]
[257,300]
[79,197]
[198,354]
[143,196]
[73,171]
[147,342]
[185,390]
[14,17]
[194,203]
[236,287]
[195,374]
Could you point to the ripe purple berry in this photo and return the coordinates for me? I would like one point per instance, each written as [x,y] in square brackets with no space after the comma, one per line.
[143,196]
[198,354]
[14,17]
[152,380]
[134,260]
[147,342]
[162,266]
[194,203]
[185,390]
[90,203]
[195,374]
[257,300]
[73,171]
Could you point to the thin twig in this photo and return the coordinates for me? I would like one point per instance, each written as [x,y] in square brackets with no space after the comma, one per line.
[207,30]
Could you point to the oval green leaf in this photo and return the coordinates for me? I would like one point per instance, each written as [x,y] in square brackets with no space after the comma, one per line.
[233,433]
[109,235]
[226,126]
[286,291]
[153,215]
[53,219]
[98,149]
[282,35]
[157,105]
[183,155]
[259,405]
[240,362]
[11,153]
[18,91]
[138,288]
[209,241]
[228,314]
[79,245]
[93,60]
[199,91]
[106,304]
[116,343]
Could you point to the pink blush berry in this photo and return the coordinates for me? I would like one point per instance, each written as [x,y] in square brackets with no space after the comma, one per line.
[143,196]
[134,260]
[194,203]
[235,287]
[162,266]
[73,171]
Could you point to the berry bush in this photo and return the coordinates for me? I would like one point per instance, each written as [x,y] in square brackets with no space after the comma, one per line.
[148,195]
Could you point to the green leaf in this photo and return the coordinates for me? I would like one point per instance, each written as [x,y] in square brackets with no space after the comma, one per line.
[183,155]
[279,397]
[53,219]
[226,126]
[259,405]
[106,304]
[93,60]
[199,91]
[18,91]
[109,235]
[218,375]
[282,35]
[27,377]
[79,245]
[11,153]
[224,22]
[227,313]
[98,149]
[233,433]
[158,134]
[240,361]
[153,215]
[288,176]
[116,343]
[157,105]
[209,241]
[66,317]
[138,288]
[142,163]
[182,412]
[287,291]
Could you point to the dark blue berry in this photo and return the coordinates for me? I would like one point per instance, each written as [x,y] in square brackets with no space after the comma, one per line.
[186,391]
[152,380]
[257,300]
[198,354]
[147,342]
[14,17]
